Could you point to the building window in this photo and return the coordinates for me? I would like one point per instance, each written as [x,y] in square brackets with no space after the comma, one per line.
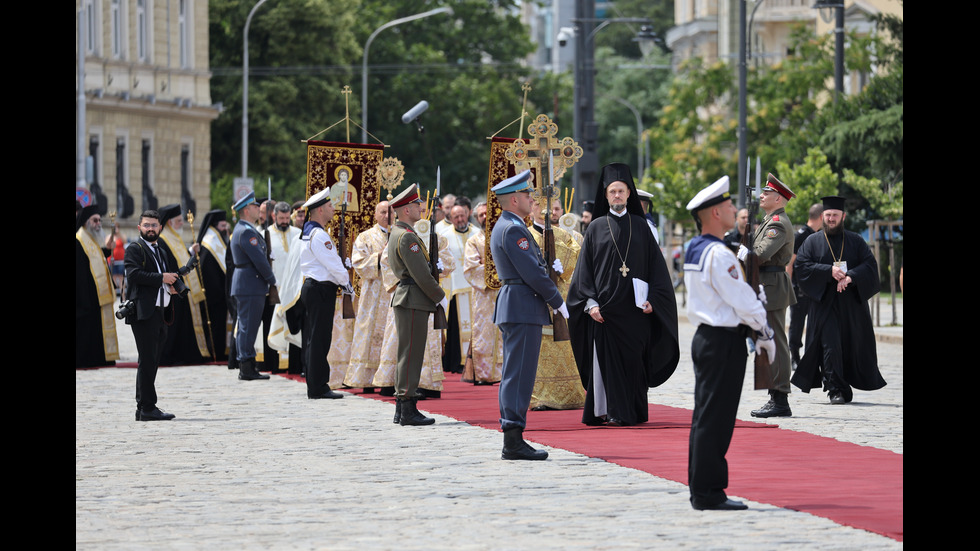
[184,33]
[116,19]
[141,30]
[93,151]
[90,26]
[150,201]
[186,193]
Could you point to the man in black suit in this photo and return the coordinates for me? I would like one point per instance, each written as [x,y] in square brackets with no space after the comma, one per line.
[150,274]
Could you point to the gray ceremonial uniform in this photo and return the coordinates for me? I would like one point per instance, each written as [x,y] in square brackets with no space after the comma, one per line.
[249,284]
[521,309]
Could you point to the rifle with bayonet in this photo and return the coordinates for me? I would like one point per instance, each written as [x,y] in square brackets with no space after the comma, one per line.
[273,290]
[763,371]
[347,307]
[439,320]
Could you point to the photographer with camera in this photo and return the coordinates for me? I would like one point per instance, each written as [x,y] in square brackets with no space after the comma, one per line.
[151,272]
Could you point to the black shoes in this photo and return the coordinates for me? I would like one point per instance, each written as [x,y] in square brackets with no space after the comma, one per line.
[772,409]
[328,395]
[247,371]
[837,398]
[410,415]
[155,414]
[516,448]
[727,505]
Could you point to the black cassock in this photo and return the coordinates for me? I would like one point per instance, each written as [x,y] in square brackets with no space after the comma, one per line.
[213,280]
[89,348]
[840,340]
[636,351]
[181,346]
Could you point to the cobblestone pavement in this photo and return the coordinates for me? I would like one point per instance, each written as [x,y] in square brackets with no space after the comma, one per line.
[255,465]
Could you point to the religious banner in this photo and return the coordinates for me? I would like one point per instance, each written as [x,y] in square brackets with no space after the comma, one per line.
[501,168]
[352,172]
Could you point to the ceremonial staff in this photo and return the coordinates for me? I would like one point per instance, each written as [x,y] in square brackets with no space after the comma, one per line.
[750,265]
[207,313]
[558,322]
[439,320]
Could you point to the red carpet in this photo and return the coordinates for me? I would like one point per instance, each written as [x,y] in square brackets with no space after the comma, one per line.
[849,484]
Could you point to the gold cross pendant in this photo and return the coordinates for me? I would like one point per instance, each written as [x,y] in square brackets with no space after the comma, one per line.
[624,269]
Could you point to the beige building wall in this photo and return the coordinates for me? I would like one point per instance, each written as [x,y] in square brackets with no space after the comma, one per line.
[148,107]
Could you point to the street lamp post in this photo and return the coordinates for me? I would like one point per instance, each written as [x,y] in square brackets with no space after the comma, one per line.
[364,65]
[838,7]
[586,128]
[639,134]
[248,22]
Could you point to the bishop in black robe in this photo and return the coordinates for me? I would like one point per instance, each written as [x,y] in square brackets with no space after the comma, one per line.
[840,340]
[630,351]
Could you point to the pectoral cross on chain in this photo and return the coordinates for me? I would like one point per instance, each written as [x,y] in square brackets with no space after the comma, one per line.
[623,269]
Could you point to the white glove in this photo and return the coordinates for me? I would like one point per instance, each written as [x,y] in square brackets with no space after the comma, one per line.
[766,333]
[563,310]
[767,345]
[762,294]
[347,262]
[742,253]
[347,289]
[439,265]
[558,267]
[445,305]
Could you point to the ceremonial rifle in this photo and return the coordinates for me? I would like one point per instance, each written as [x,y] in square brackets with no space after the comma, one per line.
[763,372]
[439,320]
[559,323]
[347,307]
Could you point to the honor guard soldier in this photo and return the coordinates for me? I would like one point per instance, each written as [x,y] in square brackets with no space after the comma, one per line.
[416,296]
[723,306]
[522,309]
[249,284]
[773,244]
[324,272]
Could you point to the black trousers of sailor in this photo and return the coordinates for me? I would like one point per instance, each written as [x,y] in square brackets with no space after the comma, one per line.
[719,355]
[150,335]
[522,346]
[320,300]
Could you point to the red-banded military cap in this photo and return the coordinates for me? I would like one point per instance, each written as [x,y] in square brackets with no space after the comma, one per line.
[774,184]
[410,195]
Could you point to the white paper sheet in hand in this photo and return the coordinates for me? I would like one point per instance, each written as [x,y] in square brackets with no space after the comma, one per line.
[640,290]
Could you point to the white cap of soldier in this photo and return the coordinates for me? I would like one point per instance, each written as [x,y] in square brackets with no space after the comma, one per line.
[320,198]
[711,195]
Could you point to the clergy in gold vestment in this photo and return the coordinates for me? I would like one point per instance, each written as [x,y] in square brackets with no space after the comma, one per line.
[186,340]
[557,384]
[487,348]
[430,381]
[95,295]
[373,303]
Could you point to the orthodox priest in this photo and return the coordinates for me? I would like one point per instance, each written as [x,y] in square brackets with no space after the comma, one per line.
[95,294]
[458,290]
[836,269]
[373,305]
[213,237]
[623,315]
[186,341]
[486,347]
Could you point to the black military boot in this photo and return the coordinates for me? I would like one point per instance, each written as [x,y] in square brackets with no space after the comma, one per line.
[516,448]
[777,406]
[247,371]
[398,411]
[410,415]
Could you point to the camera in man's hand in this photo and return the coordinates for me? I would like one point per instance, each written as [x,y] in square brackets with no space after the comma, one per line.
[180,288]
[126,309]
